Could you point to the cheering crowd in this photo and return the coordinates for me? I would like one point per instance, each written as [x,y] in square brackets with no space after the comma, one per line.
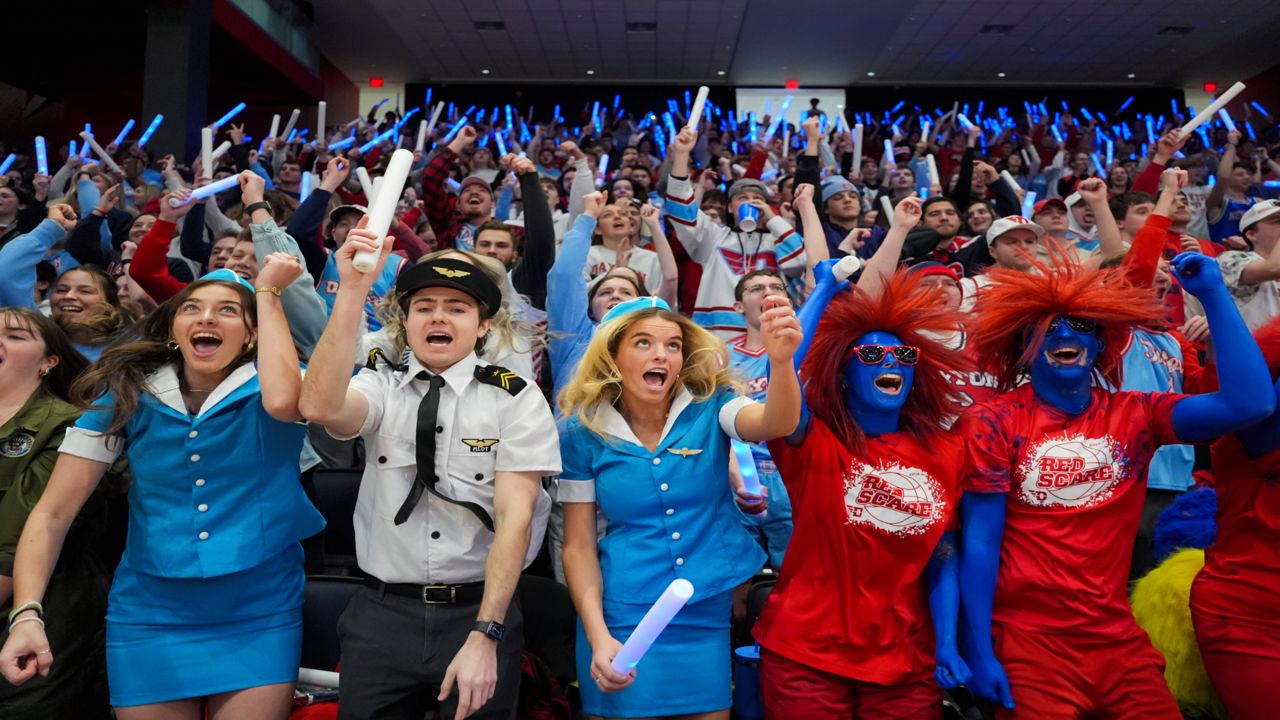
[942,375]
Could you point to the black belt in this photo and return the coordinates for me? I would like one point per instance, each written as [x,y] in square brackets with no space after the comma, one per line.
[433,594]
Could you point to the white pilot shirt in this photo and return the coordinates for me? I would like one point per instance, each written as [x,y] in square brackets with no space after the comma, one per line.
[480,429]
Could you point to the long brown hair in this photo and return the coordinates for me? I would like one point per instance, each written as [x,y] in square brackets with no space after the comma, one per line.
[122,370]
[102,326]
[71,363]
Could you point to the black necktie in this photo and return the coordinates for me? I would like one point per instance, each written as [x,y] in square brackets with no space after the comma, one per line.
[425,447]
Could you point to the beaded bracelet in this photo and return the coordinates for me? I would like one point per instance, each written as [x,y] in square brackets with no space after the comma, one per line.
[30,605]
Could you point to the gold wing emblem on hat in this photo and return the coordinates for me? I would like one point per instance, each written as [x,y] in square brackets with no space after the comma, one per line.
[684,452]
[451,273]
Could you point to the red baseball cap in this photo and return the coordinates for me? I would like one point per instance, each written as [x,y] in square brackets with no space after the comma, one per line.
[1051,202]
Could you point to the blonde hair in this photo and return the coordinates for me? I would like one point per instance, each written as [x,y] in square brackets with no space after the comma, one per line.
[598,381]
[507,333]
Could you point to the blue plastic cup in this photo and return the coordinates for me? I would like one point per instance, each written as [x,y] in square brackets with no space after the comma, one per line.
[748,217]
[747,704]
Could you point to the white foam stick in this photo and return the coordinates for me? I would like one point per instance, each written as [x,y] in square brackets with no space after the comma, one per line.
[206,153]
[221,150]
[383,206]
[1009,179]
[366,185]
[293,120]
[320,678]
[933,170]
[695,115]
[886,205]
[924,131]
[1226,120]
[209,190]
[422,135]
[320,136]
[1217,105]
[377,187]
[888,152]
[275,125]
[106,159]
[857,146]
[786,139]
[435,116]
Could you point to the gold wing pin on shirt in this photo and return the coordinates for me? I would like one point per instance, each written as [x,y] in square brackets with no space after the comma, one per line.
[480,444]
[684,452]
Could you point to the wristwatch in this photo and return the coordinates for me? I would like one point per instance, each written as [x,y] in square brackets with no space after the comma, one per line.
[260,205]
[490,629]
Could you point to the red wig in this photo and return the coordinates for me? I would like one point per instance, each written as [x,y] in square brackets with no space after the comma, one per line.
[1013,315]
[916,316]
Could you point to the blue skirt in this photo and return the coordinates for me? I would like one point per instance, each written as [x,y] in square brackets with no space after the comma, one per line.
[686,670]
[178,638]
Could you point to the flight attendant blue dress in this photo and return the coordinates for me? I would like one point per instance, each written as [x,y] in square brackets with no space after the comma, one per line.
[671,514]
[208,595]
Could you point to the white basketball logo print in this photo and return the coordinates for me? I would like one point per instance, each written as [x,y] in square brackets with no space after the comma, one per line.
[1071,471]
[892,498]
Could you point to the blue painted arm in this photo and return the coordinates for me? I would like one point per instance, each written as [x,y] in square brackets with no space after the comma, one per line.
[942,577]
[18,259]
[827,287]
[982,523]
[1245,394]
[1265,436]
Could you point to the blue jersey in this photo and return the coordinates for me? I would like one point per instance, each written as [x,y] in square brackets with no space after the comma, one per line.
[1228,223]
[382,287]
[1153,363]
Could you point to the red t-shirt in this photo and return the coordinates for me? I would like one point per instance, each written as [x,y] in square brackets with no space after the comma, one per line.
[974,386]
[851,598]
[1076,487]
[1241,575]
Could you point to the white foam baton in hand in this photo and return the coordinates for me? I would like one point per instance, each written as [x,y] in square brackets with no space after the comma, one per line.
[695,115]
[652,624]
[857,147]
[106,159]
[366,185]
[293,120]
[206,153]
[1226,120]
[275,126]
[887,206]
[212,188]
[320,132]
[747,469]
[383,206]
[1217,105]
[933,170]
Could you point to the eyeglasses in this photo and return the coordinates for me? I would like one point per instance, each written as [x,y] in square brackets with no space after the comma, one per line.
[775,289]
[1076,324]
[873,354]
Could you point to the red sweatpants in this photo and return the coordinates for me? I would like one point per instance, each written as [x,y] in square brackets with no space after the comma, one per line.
[794,690]
[1243,662]
[1068,677]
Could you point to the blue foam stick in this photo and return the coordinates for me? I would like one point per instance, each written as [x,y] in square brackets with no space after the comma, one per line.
[895,109]
[71,148]
[484,140]
[964,121]
[382,102]
[617,100]
[449,110]
[146,135]
[480,115]
[510,125]
[120,138]
[1259,108]
[470,110]
[303,133]
[556,114]
[1111,148]
[670,123]
[454,130]
[1248,126]
[965,109]
[292,134]
[305,188]
[230,114]
[377,139]
[42,156]
[747,467]
[1151,131]
[427,102]
[1043,110]
[502,145]
[1027,105]
[1173,103]
[1056,134]
[688,101]
[1126,104]
[341,144]
[980,104]
[1102,117]
[4,166]
[1085,112]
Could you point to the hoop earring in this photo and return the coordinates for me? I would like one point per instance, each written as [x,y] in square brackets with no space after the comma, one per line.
[171,345]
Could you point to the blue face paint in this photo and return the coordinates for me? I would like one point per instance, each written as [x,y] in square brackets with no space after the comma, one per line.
[875,392]
[1062,371]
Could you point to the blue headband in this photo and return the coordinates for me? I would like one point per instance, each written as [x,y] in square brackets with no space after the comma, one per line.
[225,275]
[633,305]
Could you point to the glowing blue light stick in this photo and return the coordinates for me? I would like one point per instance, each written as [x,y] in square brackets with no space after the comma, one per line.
[782,114]
[895,109]
[604,165]
[1102,117]
[652,625]
[747,468]
[292,134]
[964,122]
[428,100]
[1259,108]
[230,114]
[305,188]
[1126,104]
[480,116]
[209,190]
[454,130]
[510,125]
[556,114]
[1027,105]
[1029,204]
[1248,126]
[671,106]
[4,166]
[1226,120]
[341,144]
[980,104]
[1111,149]
[1173,103]
[1151,131]
[71,148]
[1056,134]
[382,102]
[1043,110]
[671,126]
[1065,108]
[484,141]
[377,140]
[451,110]
[1085,112]
[42,156]
[85,149]
[1003,112]
[502,146]
[120,138]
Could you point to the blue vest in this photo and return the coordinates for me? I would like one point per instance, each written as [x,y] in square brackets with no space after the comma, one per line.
[382,287]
